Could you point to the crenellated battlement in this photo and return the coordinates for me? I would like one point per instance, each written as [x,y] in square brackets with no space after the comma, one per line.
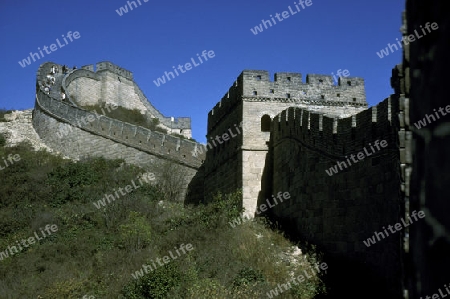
[335,137]
[226,104]
[320,90]
[106,65]
[256,84]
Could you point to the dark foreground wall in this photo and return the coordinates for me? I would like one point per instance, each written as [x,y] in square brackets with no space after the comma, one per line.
[338,212]
[426,67]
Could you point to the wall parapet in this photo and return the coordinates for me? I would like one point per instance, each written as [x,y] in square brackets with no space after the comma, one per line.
[225,105]
[106,65]
[335,137]
[155,143]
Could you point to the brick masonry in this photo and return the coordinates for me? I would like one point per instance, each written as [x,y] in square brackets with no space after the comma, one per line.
[103,136]
[423,78]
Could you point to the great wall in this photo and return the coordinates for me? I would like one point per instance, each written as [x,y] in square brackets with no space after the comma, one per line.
[102,135]
[291,132]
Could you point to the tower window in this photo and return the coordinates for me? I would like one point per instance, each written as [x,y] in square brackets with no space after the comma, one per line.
[354,99]
[255,93]
[320,81]
[265,123]
[338,95]
[272,91]
[258,77]
[288,95]
[349,83]
[322,96]
[288,79]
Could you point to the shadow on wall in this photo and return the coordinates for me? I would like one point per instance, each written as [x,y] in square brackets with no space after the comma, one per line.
[345,277]
[266,185]
[195,189]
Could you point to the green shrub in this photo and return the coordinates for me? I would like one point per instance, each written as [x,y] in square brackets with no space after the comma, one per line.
[248,277]
[2,114]
[83,257]
[2,140]
[68,182]
[136,233]
[207,288]
[222,209]
[154,285]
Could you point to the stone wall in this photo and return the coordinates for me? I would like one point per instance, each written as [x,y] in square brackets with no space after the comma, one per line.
[111,84]
[423,79]
[239,162]
[338,212]
[289,86]
[60,125]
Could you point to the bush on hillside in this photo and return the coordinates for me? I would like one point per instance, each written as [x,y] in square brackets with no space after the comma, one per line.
[2,114]
[95,250]
[2,140]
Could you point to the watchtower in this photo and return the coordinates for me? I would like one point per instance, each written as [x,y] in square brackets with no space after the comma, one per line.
[247,110]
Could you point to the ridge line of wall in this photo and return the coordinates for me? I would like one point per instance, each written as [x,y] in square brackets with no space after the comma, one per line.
[58,109]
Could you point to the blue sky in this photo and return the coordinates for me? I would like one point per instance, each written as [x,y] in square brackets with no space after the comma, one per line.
[150,39]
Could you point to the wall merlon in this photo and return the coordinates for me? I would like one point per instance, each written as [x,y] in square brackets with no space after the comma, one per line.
[89,67]
[351,81]
[292,78]
[106,65]
[255,75]
[323,80]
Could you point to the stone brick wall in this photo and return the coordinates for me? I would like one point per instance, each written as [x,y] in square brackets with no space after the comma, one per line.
[103,136]
[337,213]
[423,80]
[114,85]
[223,161]
[239,163]
[318,88]
[85,91]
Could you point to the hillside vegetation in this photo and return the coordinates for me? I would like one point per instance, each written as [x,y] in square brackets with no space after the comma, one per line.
[95,252]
